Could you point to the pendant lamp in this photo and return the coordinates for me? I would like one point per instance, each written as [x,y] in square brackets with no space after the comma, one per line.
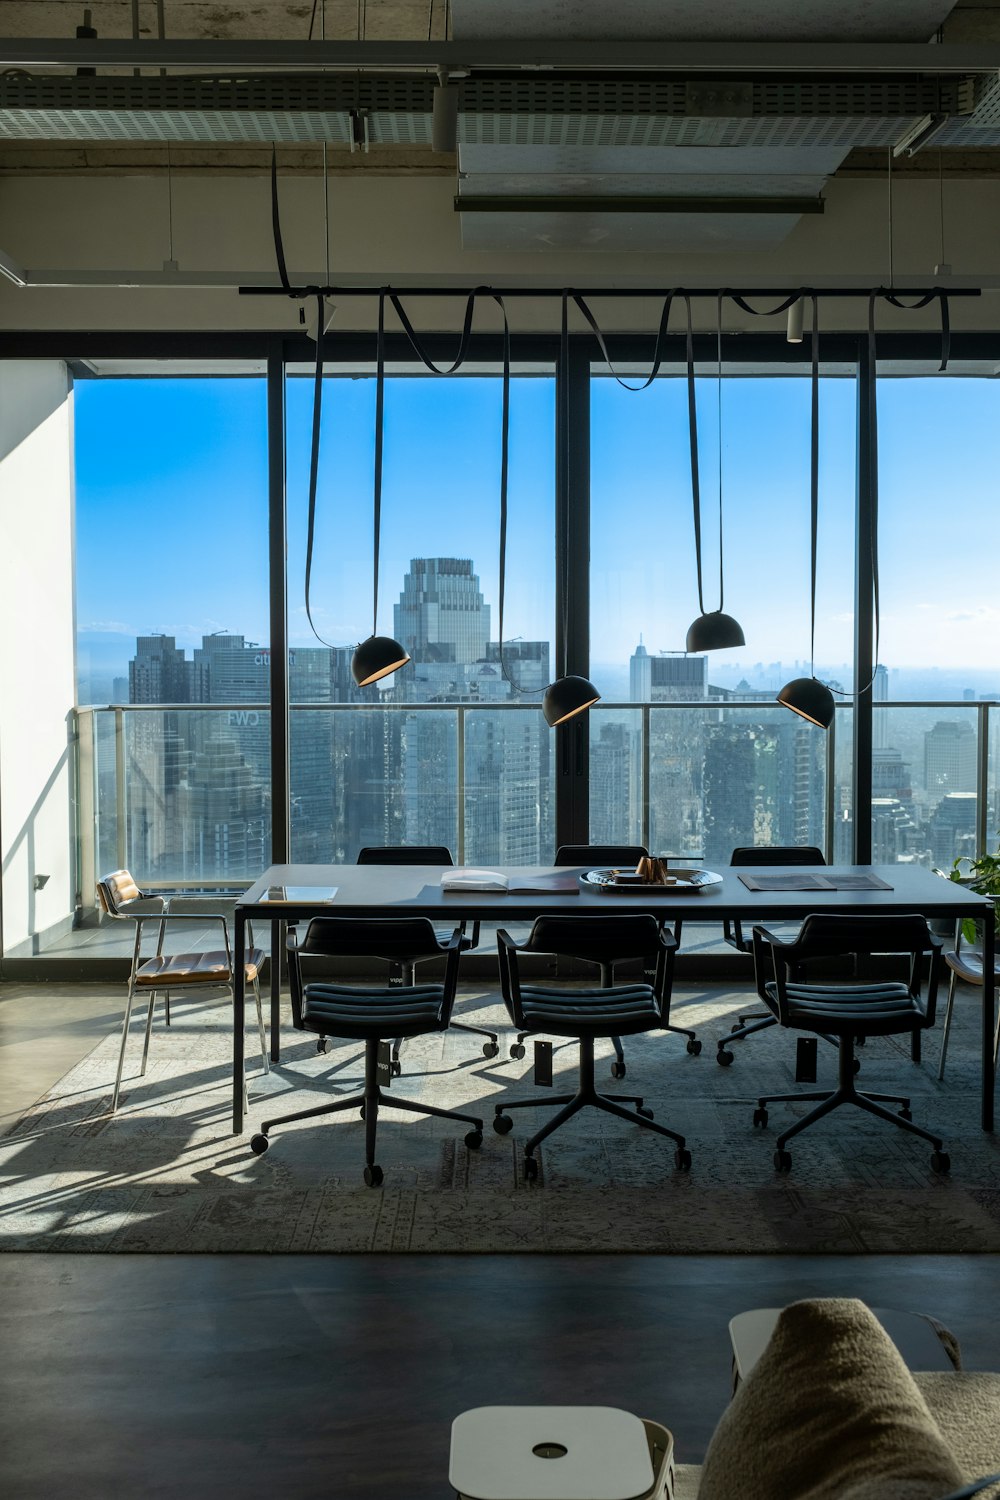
[807,696]
[716,630]
[379,655]
[569,694]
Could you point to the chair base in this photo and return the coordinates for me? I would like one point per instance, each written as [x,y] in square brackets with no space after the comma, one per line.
[368,1102]
[827,1100]
[571,1104]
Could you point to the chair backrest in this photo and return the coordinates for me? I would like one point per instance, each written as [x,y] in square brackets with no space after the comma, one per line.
[777,854]
[623,855]
[822,936]
[405,854]
[372,937]
[599,940]
[115,890]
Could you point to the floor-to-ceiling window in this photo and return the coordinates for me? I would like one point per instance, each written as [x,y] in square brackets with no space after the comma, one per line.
[451,750]
[690,754]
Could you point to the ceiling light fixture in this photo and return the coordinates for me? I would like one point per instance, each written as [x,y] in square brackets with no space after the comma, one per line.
[379,655]
[807,696]
[444,114]
[715,631]
[794,331]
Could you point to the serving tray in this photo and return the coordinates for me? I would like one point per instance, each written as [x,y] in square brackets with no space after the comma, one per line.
[685,882]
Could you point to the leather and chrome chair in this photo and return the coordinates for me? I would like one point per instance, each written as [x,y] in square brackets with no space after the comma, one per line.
[607,856]
[371,1014]
[589,1012]
[965,964]
[848,1008]
[120,900]
[427,854]
[732,931]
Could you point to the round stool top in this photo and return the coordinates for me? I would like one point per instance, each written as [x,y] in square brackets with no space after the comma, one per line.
[549,1453]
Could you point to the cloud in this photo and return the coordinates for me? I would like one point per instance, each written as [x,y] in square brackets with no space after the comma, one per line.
[116,627]
[983,614]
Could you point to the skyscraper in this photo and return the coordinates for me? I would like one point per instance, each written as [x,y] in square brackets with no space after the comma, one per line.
[441,615]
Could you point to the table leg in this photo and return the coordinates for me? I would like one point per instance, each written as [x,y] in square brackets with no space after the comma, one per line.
[239,1001]
[277,950]
[989,1011]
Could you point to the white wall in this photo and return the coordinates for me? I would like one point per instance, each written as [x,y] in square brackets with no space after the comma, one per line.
[396,228]
[37,635]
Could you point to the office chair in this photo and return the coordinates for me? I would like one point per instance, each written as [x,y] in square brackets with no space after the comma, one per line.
[122,901]
[589,1012]
[614,856]
[426,854]
[732,931]
[370,1014]
[967,966]
[848,1009]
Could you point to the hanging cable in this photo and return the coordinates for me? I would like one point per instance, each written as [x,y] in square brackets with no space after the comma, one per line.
[693,450]
[718,359]
[657,355]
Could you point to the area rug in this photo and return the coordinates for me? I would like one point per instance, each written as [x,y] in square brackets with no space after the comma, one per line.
[166,1173]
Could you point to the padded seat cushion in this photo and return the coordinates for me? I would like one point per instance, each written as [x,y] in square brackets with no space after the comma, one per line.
[342,1010]
[882,1008]
[212,967]
[969,965]
[622,1011]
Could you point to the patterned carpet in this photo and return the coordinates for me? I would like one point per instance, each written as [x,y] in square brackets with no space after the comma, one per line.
[166,1174]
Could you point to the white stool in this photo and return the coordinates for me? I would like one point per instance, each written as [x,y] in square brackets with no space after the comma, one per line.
[559,1453]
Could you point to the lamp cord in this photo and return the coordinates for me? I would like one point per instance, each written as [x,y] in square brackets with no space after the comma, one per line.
[718,356]
[693,449]
[657,355]
[562,643]
[314,467]
[814,483]
[379,430]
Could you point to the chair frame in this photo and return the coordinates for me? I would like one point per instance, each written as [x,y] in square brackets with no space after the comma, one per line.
[960,968]
[372,1095]
[426,854]
[587,1092]
[157,908]
[847,1009]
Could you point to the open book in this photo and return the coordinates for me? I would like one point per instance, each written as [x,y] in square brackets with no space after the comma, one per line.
[463,878]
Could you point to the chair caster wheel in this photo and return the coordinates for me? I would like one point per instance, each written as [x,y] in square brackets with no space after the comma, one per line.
[859,1041]
[517,1050]
[259,1144]
[503,1124]
[395,1068]
[373,1176]
[760,1116]
[647,1114]
[618,1069]
[474,1140]
[694,1046]
[782,1161]
[490,1049]
[906,1114]
[723,1058]
[321,1044]
[530,1169]
[361,1111]
[737,1025]
[682,1159]
[857,1065]
[940,1162]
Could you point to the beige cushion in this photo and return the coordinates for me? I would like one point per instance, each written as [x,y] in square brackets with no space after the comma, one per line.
[116,889]
[171,969]
[829,1412]
[966,1408]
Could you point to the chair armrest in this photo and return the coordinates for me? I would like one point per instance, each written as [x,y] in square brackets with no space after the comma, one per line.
[510,988]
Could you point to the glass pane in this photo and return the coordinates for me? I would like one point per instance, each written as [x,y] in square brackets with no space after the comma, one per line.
[939,531]
[924,766]
[643,576]
[479,783]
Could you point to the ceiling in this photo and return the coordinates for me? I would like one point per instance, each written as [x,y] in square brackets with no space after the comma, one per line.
[570,152]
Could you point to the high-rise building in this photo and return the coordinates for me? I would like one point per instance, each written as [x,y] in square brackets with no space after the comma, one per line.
[441,615]
[880,716]
[950,758]
[159,671]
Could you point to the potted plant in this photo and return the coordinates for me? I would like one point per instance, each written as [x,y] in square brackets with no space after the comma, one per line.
[981,875]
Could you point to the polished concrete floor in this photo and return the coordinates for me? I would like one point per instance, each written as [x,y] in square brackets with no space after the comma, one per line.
[304,1376]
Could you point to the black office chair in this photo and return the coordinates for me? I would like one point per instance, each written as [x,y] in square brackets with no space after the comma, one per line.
[848,1009]
[607,856]
[427,854]
[371,1014]
[732,931]
[589,1012]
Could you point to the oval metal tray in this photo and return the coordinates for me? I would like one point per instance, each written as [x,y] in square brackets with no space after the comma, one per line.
[685,882]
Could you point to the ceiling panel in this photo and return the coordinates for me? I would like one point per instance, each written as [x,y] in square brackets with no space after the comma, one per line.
[611,233]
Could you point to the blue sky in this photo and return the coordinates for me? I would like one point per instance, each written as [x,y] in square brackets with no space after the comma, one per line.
[172,524]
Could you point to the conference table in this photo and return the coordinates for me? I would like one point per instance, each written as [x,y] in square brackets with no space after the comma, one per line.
[294,893]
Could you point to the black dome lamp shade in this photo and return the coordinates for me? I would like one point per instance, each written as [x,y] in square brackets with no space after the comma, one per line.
[567,697]
[714,632]
[807,696]
[379,655]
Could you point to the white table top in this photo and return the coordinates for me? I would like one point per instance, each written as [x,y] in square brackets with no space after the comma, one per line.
[494,1454]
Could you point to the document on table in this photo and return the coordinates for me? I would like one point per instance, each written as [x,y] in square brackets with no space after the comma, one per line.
[465,879]
[809,882]
[288,895]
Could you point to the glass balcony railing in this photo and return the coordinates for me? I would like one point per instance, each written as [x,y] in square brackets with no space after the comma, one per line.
[181,794]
